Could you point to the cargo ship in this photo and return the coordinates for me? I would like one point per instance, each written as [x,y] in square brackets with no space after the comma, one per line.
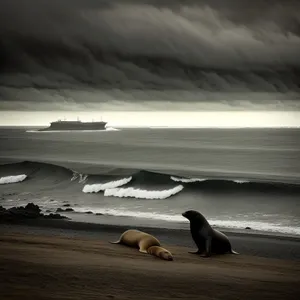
[74,125]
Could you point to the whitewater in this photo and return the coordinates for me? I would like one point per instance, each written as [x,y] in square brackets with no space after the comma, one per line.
[238,178]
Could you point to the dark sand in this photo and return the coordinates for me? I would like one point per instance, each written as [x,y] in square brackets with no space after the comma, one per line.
[45,263]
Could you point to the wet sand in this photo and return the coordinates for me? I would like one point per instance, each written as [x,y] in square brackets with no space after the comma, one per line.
[37,265]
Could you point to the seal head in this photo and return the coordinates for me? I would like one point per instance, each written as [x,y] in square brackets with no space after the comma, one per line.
[195,217]
[160,252]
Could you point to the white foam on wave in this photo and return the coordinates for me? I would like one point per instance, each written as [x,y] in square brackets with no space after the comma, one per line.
[12,179]
[190,180]
[240,181]
[75,176]
[97,187]
[142,194]
[187,180]
[82,177]
[130,213]
[112,129]
[254,225]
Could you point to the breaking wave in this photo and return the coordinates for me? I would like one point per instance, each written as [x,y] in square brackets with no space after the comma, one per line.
[97,187]
[80,177]
[191,180]
[142,194]
[129,183]
[116,192]
[12,179]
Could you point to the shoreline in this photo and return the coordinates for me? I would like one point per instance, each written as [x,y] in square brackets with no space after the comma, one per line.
[254,244]
[89,219]
[128,221]
[84,222]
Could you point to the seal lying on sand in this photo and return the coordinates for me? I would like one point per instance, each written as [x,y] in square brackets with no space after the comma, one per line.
[207,239]
[146,243]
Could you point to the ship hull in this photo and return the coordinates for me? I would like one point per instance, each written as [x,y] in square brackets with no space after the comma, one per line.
[59,126]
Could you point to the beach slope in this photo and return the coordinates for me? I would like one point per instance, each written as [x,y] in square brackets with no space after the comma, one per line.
[52,267]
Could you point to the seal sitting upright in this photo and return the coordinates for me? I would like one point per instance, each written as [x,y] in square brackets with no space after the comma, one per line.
[207,239]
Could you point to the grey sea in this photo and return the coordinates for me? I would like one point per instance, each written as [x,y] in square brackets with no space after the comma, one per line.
[237,178]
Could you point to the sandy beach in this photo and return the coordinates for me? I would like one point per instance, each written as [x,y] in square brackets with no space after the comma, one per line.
[45,263]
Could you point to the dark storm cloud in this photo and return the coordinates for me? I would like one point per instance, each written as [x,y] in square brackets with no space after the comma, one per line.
[185,45]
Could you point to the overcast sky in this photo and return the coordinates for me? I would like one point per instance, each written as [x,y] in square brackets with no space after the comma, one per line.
[75,52]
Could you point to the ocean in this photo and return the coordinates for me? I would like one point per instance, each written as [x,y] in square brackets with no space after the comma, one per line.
[237,178]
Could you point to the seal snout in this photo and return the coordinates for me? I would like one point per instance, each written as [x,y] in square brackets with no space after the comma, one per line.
[167,256]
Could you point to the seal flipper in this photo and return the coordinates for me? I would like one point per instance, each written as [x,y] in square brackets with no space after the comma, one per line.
[207,252]
[143,251]
[204,231]
[195,252]
[234,252]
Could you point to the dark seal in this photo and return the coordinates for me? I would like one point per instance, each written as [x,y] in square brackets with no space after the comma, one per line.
[207,239]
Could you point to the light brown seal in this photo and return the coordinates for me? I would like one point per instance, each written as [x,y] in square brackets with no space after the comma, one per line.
[137,239]
[160,252]
[145,242]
